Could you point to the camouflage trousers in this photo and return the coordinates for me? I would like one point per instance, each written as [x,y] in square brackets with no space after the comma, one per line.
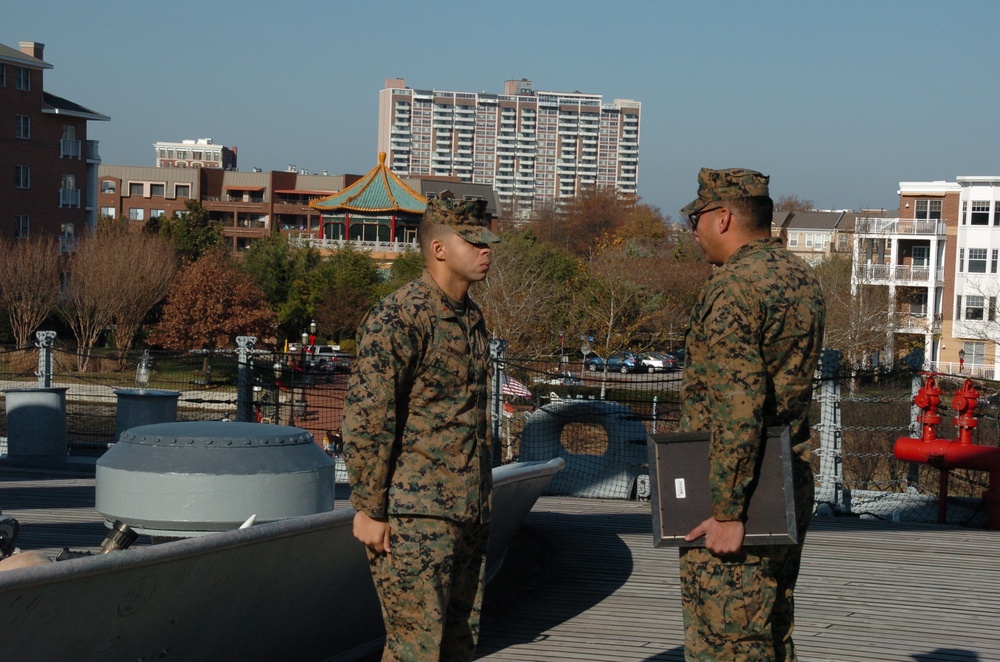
[431,588]
[740,608]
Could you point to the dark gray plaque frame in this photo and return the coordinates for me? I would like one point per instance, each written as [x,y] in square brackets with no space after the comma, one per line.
[681,498]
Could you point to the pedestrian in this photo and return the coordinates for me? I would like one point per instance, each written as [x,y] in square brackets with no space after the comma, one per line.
[752,349]
[416,445]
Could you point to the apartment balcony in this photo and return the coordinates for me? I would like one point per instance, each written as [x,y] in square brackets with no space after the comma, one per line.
[898,274]
[69,149]
[916,322]
[898,226]
[93,154]
[69,197]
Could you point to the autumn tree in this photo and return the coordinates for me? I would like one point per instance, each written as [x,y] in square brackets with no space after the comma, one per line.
[527,295]
[29,283]
[211,303]
[407,266]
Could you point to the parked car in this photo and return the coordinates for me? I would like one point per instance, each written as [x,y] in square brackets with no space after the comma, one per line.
[624,363]
[322,356]
[560,379]
[657,362]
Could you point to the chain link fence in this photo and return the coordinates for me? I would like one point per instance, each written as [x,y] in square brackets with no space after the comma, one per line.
[597,421]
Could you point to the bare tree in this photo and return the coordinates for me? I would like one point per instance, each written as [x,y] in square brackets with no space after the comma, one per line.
[792,203]
[29,283]
[143,267]
[527,295]
[618,295]
[857,324]
[86,301]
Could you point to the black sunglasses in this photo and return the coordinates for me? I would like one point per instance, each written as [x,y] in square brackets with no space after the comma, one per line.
[694,216]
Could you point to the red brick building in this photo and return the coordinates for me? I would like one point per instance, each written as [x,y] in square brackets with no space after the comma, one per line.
[49,168]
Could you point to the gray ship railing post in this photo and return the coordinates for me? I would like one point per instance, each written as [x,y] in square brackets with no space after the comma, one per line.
[46,340]
[497,347]
[244,379]
[831,471]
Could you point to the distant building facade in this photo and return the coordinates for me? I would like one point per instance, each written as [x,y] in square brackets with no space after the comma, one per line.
[922,256]
[49,166]
[533,147]
[248,205]
[200,153]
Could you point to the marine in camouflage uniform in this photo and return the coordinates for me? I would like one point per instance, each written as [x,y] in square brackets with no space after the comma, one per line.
[752,349]
[417,450]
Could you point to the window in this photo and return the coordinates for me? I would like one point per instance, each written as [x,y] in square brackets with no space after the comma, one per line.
[136,214]
[974,307]
[921,256]
[182,190]
[135,188]
[980,214]
[977,261]
[109,186]
[155,213]
[22,176]
[22,225]
[961,260]
[108,212]
[793,239]
[156,190]
[842,241]
[975,352]
[23,129]
[23,81]
[993,261]
[928,210]
[3,75]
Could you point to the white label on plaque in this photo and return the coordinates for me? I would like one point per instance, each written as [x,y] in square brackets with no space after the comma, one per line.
[679,488]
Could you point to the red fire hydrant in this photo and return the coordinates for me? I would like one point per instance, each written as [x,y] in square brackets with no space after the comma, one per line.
[946,454]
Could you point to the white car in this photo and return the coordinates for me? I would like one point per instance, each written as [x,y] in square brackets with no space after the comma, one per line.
[323,356]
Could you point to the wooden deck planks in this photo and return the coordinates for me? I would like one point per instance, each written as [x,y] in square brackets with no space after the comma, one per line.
[583,582]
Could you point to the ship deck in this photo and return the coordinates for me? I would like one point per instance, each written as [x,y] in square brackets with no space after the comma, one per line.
[582,581]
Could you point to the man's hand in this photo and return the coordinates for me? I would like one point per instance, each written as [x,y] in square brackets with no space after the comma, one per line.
[721,538]
[373,533]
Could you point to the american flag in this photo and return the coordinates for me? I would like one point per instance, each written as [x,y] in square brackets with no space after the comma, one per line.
[514,388]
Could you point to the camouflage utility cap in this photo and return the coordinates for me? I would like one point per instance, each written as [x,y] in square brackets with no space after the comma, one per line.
[467,218]
[716,185]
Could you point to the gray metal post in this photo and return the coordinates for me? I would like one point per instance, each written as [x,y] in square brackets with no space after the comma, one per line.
[244,379]
[916,429]
[497,347]
[831,469]
[46,340]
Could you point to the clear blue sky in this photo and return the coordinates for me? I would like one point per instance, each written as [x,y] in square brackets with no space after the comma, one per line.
[837,101]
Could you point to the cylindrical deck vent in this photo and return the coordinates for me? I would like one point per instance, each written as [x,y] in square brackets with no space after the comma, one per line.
[191,478]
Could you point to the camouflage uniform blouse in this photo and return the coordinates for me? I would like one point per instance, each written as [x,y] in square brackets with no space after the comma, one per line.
[752,349]
[414,426]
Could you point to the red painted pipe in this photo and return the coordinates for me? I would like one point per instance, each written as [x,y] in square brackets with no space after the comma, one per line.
[945,454]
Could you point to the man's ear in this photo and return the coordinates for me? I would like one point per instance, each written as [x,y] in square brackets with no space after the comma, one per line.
[725,220]
[438,249]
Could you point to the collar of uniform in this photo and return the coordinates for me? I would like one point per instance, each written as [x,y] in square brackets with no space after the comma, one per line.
[755,245]
[444,309]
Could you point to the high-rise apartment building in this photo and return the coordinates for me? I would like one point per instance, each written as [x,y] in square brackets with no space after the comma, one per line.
[532,146]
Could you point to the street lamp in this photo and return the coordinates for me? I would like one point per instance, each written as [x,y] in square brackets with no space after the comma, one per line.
[277,391]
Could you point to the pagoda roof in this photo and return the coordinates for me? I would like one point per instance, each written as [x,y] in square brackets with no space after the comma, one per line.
[378,191]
